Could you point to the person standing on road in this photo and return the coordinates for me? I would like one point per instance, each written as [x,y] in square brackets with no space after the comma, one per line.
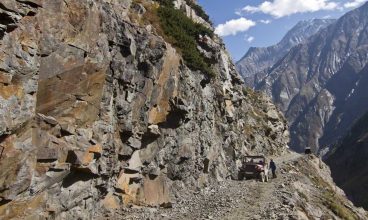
[273,168]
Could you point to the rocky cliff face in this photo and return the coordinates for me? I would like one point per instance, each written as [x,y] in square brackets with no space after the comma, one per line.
[258,59]
[320,84]
[99,112]
[349,164]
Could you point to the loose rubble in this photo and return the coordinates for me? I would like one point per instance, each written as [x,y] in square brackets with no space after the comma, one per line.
[294,194]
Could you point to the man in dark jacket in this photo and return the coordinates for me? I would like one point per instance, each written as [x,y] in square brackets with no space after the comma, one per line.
[273,168]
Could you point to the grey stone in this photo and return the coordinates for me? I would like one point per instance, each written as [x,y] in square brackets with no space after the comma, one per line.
[124,112]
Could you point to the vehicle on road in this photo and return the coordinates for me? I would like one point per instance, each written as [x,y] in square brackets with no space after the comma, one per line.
[254,167]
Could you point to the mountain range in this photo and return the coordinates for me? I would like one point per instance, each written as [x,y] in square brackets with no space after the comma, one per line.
[258,59]
[320,83]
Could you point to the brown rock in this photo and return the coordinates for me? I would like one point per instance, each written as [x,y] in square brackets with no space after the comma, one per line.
[15,175]
[129,184]
[110,201]
[95,149]
[171,64]
[22,208]
[87,158]
[156,191]
[5,78]
[11,90]
[59,90]
[80,158]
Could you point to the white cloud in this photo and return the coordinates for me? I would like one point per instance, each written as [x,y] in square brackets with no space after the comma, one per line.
[238,12]
[249,39]
[234,26]
[281,8]
[354,4]
[265,21]
[252,9]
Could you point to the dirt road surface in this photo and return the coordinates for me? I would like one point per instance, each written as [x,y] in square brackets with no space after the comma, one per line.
[233,199]
[303,190]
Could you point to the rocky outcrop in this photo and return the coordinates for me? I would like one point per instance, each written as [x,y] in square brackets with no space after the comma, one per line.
[191,13]
[319,84]
[259,59]
[99,112]
[348,162]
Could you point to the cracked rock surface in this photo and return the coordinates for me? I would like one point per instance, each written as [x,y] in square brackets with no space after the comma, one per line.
[99,113]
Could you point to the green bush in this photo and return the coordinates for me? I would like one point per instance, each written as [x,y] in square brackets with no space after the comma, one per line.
[183,34]
[166,3]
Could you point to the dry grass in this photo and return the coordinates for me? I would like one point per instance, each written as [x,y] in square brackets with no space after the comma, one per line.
[248,130]
[151,17]
[302,195]
[329,197]
[337,207]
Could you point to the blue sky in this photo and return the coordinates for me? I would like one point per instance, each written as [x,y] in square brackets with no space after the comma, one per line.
[258,23]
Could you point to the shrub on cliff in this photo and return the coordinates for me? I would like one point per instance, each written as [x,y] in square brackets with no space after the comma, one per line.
[183,33]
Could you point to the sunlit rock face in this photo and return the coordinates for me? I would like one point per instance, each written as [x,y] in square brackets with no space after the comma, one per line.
[99,112]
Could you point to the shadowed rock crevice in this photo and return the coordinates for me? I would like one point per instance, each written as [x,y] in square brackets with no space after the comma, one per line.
[8,22]
[13,12]
[174,119]
[177,115]
[75,176]
[3,202]
[3,137]
[32,4]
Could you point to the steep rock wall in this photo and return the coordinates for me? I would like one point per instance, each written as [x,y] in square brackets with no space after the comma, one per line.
[99,112]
